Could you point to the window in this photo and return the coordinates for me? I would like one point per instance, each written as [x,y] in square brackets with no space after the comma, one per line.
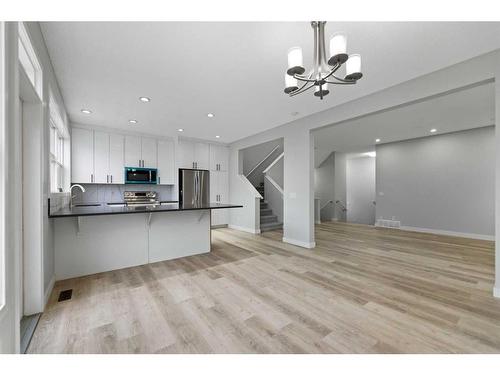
[28,60]
[58,142]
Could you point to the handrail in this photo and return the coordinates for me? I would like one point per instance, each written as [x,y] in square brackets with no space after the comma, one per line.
[262,161]
[326,204]
[275,184]
[273,163]
[341,204]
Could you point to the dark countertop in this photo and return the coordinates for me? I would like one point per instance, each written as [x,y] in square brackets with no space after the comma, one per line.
[117,209]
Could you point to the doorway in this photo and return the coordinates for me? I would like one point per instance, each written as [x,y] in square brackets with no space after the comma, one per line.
[360,189]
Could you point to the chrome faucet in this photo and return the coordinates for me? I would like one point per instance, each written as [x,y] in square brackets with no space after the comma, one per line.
[73,196]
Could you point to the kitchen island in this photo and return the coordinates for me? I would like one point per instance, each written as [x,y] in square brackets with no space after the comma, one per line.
[101,237]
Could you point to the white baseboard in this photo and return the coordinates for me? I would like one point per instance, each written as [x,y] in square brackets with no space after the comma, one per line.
[307,245]
[450,233]
[496,291]
[244,229]
[48,292]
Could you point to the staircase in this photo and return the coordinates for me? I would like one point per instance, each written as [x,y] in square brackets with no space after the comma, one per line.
[268,221]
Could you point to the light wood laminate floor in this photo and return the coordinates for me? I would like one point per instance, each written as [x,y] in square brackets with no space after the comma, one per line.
[361,290]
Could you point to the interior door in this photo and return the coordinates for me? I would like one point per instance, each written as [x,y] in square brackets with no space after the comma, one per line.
[360,190]
[116,158]
[101,157]
[82,160]
[133,155]
[149,153]
[166,162]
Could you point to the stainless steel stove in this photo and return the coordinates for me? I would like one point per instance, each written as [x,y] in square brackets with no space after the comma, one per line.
[141,198]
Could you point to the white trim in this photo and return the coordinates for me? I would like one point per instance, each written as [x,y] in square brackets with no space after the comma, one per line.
[262,161]
[250,186]
[48,292]
[244,229]
[449,233]
[122,131]
[307,245]
[274,162]
[275,184]
[496,292]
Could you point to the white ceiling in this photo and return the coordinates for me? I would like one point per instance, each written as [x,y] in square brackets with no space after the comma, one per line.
[465,109]
[234,70]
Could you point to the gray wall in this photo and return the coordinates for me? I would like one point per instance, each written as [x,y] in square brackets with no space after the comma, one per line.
[360,188]
[340,185]
[252,156]
[324,189]
[276,172]
[444,182]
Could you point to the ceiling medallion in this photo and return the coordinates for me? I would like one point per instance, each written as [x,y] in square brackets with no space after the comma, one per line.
[323,72]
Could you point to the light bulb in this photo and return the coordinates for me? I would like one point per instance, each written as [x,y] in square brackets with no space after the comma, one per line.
[290,84]
[295,62]
[353,68]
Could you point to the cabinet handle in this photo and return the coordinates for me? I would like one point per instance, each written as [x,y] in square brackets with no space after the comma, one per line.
[111,178]
[107,178]
[159,180]
[91,177]
[193,164]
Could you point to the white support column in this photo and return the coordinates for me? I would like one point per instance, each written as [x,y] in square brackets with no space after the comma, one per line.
[298,198]
[496,289]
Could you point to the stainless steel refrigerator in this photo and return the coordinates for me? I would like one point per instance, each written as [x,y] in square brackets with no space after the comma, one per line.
[194,187]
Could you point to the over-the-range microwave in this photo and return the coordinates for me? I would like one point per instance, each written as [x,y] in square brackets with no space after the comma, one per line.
[135,175]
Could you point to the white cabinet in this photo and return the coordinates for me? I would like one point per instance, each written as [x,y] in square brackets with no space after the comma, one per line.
[219,193]
[116,159]
[219,156]
[101,157]
[149,152]
[133,151]
[166,162]
[140,152]
[194,155]
[82,160]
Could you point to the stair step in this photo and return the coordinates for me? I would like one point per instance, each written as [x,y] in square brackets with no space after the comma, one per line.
[269,219]
[270,226]
[265,211]
[263,205]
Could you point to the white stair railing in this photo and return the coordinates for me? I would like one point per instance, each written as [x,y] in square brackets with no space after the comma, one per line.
[262,161]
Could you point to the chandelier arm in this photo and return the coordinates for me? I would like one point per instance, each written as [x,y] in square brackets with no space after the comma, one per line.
[341,83]
[333,70]
[341,79]
[301,90]
[304,79]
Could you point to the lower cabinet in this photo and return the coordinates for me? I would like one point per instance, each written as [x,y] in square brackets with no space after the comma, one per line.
[219,193]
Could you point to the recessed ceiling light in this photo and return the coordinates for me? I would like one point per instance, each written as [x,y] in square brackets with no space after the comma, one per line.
[433,130]
[180,130]
[377,140]
[217,136]
[86,111]
[144,99]
[133,121]
[210,115]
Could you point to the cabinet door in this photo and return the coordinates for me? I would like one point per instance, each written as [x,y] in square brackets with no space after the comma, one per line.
[166,163]
[223,158]
[149,153]
[82,160]
[214,157]
[116,159]
[133,154]
[186,154]
[214,193]
[101,157]
[202,155]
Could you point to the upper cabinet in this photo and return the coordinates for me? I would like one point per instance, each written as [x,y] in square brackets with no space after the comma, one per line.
[194,155]
[97,157]
[219,156]
[100,157]
[82,160]
[116,159]
[140,152]
[166,162]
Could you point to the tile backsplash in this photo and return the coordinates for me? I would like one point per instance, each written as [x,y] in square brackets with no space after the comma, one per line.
[114,193]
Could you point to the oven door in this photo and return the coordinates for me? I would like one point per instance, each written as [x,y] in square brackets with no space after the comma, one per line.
[140,176]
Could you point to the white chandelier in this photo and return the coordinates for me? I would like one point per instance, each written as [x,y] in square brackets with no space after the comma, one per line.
[323,72]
